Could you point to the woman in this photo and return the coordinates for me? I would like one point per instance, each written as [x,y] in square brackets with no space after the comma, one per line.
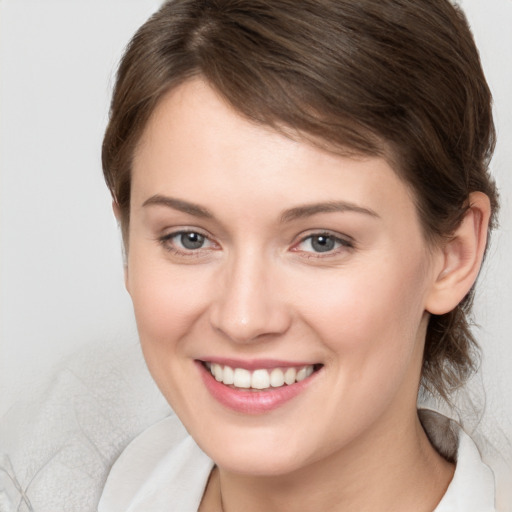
[304,198]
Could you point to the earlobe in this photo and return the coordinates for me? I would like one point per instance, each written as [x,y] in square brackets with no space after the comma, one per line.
[461,257]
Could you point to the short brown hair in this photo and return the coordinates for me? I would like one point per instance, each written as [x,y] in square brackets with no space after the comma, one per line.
[365,76]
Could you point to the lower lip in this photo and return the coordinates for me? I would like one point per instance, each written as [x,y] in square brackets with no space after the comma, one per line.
[250,401]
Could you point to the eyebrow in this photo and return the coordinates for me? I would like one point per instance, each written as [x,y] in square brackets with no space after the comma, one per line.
[180,205]
[308,210]
[295,213]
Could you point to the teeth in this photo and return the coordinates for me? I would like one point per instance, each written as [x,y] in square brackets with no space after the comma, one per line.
[229,375]
[217,372]
[301,374]
[289,375]
[242,378]
[259,379]
[277,378]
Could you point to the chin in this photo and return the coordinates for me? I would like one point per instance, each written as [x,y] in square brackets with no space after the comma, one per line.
[254,453]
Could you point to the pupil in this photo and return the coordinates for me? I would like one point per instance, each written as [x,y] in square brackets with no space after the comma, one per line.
[192,240]
[323,243]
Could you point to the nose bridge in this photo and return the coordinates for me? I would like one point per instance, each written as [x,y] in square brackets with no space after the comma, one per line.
[249,304]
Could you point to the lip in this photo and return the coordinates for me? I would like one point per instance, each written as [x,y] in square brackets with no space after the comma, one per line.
[253,402]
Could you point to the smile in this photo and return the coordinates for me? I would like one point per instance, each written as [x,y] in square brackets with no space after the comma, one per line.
[259,379]
[256,389]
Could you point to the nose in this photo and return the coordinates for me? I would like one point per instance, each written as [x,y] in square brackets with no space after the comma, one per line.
[250,305]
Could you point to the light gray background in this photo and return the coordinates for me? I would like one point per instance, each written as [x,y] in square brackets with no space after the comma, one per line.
[60,259]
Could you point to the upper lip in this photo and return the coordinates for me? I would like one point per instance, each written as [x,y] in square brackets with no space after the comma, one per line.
[255,364]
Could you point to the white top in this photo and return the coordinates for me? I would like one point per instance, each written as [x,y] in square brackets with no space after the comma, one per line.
[163,469]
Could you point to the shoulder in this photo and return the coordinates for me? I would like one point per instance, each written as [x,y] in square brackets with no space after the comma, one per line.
[162,465]
[472,487]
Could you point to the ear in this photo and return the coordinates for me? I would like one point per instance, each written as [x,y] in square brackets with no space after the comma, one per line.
[461,257]
[117,213]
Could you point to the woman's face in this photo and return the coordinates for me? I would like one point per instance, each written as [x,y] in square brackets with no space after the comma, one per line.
[263,259]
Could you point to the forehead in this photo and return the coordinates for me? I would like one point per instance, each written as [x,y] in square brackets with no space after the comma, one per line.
[197,146]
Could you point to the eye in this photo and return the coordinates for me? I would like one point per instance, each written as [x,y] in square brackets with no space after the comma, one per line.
[185,242]
[322,243]
[191,240]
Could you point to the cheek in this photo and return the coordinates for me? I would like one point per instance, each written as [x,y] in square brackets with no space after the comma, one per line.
[167,300]
[370,321]
[373,300]
[371,325]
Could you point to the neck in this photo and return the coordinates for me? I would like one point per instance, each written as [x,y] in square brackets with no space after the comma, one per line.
[396,470]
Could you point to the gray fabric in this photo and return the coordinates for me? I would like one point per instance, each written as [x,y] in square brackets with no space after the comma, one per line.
[56,449]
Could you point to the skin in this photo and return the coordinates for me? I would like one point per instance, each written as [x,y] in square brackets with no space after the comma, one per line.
[257,289]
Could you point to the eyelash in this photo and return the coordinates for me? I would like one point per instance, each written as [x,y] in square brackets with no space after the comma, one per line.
[341,244]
